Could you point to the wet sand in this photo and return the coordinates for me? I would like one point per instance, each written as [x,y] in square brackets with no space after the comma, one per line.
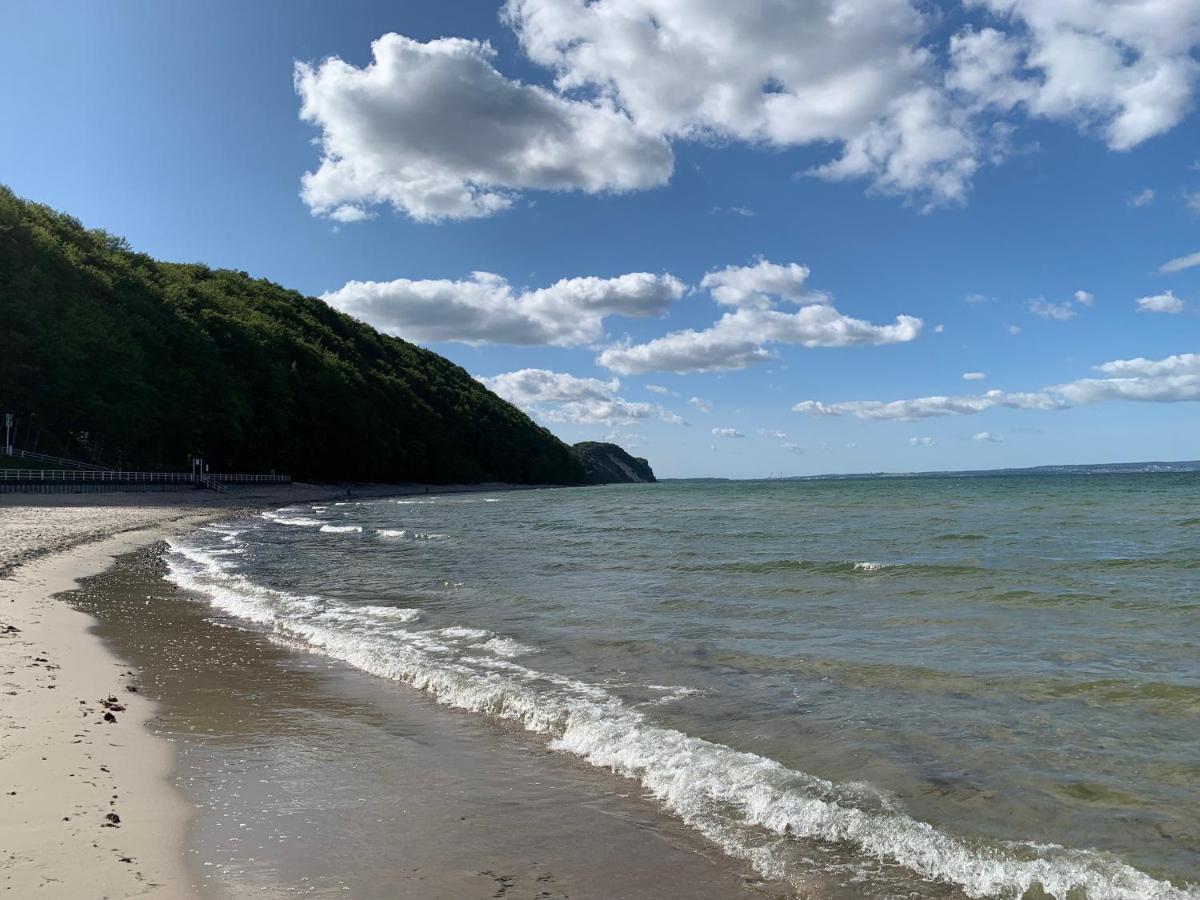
[311,778]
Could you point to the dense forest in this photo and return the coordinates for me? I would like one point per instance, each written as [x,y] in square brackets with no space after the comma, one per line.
[111,356]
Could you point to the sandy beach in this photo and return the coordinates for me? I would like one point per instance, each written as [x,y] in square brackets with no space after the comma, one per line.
[137,748]
[88,807]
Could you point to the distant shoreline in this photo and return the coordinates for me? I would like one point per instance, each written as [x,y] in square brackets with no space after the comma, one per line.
[1180,467]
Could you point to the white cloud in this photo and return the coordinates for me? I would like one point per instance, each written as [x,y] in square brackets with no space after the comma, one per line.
[727,433]
[978,299]
[1169,380]
[1014,330]
[436,132]
[763,72]
[1165,302]
[486,309]
[740,338]
[743,211]
[986,437]
[701,404]
[659,389]
[1142,198]
[1191,199]
[1125,69]
[922,442]
[755,285]
[1060,312]
[772,433]
[562,397]
[1179,263]
[1084,298]
[866,77]
[974,376]
[792,447]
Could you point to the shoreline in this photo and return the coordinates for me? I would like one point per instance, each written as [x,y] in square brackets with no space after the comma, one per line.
[66,771]
[69,768]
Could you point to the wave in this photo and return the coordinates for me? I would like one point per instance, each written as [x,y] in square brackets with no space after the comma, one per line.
[404,532]
[301,521]
[830,567]
[341,529]
[728,795]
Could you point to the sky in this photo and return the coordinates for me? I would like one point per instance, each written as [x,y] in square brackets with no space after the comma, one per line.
[776,237]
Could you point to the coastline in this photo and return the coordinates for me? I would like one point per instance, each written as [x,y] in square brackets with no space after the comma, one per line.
[476,808]
[65,769]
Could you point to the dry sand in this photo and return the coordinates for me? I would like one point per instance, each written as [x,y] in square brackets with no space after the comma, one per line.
[88,810]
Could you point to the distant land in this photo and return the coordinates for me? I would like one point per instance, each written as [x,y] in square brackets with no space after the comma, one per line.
[1123,468]
[117,359]
[609,464]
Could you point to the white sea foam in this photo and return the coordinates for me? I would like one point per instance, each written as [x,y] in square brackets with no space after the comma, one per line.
[341,529]
[391,532]
[722,792]
[871,566]
[402,614]
[281,517]
[459,632]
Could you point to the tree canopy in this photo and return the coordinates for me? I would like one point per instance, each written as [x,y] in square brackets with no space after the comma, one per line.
[111,356]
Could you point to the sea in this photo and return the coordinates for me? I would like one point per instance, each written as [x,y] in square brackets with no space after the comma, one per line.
[946,686]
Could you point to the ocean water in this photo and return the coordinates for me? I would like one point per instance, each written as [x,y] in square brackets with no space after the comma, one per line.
[986,687]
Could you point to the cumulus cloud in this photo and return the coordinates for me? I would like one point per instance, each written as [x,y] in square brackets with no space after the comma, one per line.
[486,309]
[742,337]
[756,285]
[434,130]
[793,447]
[562,397]
[659,389]
[1179,263]
[727,433]
[1084,298]
[974,376]
[1165,302]
[866,76]
[986,437]
[922,442]
[701,404]
[772,433]
[1168,380]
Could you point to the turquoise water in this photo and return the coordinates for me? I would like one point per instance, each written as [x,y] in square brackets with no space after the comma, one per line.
[985,686]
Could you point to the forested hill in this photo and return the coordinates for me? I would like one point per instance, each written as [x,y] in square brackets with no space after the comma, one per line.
[109,355]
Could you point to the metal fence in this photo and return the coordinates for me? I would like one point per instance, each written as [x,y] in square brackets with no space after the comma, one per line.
[113,476]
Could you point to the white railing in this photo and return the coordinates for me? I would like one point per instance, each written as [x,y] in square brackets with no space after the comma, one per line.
[116,476]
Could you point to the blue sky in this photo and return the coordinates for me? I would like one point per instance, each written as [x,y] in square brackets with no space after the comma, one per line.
[978,205]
